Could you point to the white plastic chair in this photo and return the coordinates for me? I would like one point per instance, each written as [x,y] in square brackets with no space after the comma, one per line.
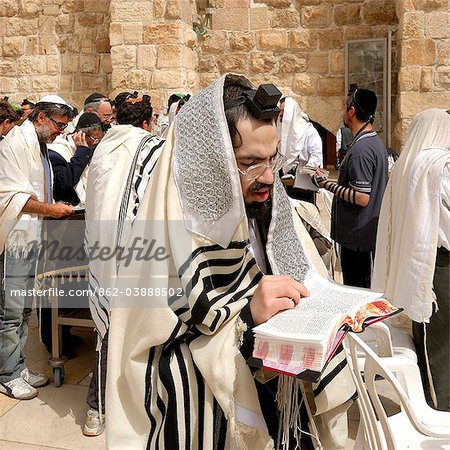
[417,426]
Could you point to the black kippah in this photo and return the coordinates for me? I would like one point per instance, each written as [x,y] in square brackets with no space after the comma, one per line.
[94,98]
[88,120]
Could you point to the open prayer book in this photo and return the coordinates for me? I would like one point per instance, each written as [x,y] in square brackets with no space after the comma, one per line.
[303,178]
[301,341]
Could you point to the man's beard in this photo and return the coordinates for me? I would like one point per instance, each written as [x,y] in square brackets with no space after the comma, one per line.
[44,134]
[261,211]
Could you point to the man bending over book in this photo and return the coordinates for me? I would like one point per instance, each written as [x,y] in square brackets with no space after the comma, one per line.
[229,257]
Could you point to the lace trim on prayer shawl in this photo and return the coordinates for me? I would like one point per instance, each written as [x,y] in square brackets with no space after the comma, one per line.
[204,167]
[285,251]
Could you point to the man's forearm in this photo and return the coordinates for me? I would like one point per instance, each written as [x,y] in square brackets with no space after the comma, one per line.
[347,194]
[33,206]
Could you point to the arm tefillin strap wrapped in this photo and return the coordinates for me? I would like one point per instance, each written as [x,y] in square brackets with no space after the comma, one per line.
[261,102]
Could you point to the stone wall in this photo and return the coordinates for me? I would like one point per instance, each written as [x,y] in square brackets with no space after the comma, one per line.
[424,44]
[54,46]
[153,47]
[298,45]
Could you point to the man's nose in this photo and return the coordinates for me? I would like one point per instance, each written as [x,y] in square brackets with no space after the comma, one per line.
[267,177]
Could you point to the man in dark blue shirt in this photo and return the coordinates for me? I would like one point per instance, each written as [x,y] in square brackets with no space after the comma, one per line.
[358,194]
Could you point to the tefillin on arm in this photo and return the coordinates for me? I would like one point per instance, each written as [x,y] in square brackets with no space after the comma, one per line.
[261,102]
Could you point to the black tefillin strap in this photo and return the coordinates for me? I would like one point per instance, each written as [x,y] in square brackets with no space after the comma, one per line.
[261,102]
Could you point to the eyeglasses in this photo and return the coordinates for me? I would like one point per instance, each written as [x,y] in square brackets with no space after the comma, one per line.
[255,171]
[60,125]
[94,140]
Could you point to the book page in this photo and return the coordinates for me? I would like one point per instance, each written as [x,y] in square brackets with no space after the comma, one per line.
[317,315]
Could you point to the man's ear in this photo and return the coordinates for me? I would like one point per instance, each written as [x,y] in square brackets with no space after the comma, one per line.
[41,118]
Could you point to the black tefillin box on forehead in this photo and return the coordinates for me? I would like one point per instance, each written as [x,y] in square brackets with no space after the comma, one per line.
[261,102]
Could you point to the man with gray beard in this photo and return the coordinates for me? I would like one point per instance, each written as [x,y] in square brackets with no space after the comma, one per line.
[25,199]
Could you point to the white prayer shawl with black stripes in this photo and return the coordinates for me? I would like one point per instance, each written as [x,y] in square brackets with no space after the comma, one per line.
[175,371]
[119,172]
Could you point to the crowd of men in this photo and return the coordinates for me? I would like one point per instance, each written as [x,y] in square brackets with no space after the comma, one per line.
[205,178]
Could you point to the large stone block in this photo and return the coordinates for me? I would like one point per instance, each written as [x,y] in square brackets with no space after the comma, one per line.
[442,79]
[318,62]
[70,63]
[132,33]
[317,16]
[242,41]
[53,65]
[331,39]
[7,68]
[205,79]
[214,42]
[13,46]
[9,84]
[355,33]
[275,3]
[169,56]
[273,40]
[92,83]
[347,15]
[65,83]
[409,79]
[146,57]
[115,34]
[207,63]
[377,12]
[178,9]
[237,3]
[412,25]
[16,26]
[45,83]
[47,24]
[302,40]
[331,86]
[51,10]
[31,65]
[430,5]
[237,63]
[105,63]
[419,52]
[285,18]
[159,9]
[189,59]
[48,44]
[236,19]
[102,44]
[29,8]
[292,64]
[263,63]
[413,103]
[337,61]
[437,25]
[119,79]
[259,17]
[305,84]
[89,63]
[101,6]
[123,56]
[426,79]
[8,8]
[139,79]
[64,23]
[71,6]
[90,20]
[132,11]
[162,33]
[444,53]
[168,79]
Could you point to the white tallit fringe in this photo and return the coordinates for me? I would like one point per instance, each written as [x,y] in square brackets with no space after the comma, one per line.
[241,328]
[17,244]
[289,407]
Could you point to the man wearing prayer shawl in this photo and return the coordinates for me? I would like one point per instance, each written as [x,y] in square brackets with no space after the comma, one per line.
[228,257]
[25,199]
[413,243]
[119,173]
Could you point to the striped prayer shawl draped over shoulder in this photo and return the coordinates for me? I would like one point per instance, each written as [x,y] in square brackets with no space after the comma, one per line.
[119,173]
[176,377]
